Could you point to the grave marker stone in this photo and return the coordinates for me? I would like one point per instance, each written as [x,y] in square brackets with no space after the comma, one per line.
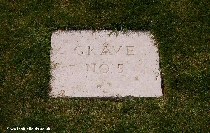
[104,64]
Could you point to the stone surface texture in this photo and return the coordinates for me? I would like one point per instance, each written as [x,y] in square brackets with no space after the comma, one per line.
[104,64]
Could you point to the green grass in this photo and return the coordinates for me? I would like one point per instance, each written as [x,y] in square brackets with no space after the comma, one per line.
[181,28]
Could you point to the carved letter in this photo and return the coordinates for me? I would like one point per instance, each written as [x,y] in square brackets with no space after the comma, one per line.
[105,51]
[93,68]
[78,52]
[118,49]
[89,50]
[130,50]
[120,67]
[104,68]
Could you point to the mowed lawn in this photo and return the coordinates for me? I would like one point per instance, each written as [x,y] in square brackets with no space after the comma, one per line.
[180,27]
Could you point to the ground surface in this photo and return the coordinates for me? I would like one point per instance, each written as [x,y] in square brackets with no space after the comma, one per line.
[181,28]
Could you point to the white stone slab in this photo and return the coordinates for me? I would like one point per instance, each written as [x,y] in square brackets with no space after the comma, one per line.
[101,64]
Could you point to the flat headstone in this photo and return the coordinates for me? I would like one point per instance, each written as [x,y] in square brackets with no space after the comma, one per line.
[104,64]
